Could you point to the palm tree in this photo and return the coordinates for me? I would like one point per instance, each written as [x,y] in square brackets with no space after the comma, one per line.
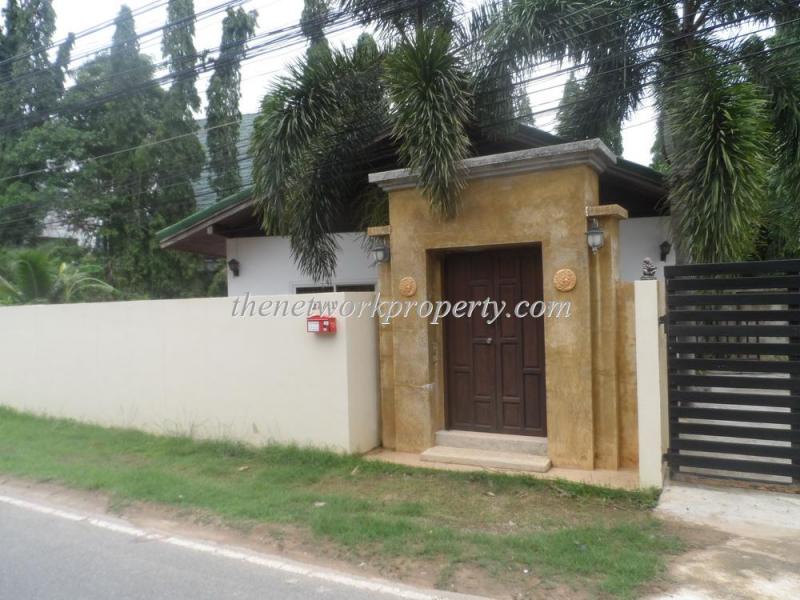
[435,77]
[727,103]
[34,277]
[314,139]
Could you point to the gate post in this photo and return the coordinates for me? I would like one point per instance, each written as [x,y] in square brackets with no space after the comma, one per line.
[651,383]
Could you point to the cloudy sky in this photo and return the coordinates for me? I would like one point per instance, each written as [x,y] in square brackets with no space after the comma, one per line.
[79,15]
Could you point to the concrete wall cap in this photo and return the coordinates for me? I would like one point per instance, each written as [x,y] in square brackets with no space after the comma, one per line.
[593,153]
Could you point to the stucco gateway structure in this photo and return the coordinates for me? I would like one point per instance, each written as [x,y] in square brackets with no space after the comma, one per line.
[523,218]
[526,393]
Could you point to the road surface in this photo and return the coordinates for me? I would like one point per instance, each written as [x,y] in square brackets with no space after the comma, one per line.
[50,553]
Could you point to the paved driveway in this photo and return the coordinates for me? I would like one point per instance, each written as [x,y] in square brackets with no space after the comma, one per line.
[759,557]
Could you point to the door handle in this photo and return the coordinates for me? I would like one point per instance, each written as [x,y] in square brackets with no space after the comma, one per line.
[487,340]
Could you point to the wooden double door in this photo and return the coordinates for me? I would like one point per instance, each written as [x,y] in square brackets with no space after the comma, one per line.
[495,376]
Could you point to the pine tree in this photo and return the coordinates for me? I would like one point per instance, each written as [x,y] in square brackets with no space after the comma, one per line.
[125,198]
[572,118]
[223,117]
[31,85]
[184,156]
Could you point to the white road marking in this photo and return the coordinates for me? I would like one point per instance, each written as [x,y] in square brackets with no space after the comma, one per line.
[270,562]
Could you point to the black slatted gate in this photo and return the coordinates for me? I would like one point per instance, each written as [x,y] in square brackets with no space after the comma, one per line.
[733,347]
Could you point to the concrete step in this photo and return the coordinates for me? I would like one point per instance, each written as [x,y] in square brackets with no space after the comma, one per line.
[488,459]
[496,442]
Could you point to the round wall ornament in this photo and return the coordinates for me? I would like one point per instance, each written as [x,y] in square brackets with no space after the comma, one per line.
[407,286]
[565,280]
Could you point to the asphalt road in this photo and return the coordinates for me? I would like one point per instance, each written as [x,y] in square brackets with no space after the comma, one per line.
[54,555]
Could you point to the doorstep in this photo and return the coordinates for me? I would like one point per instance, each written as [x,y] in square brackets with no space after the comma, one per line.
[624,479]
[499,442]
[490,459]
[490,450]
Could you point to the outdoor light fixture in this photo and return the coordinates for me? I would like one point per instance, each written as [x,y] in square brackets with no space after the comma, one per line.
[380,251]
[595,236]
[233,265]
[665,248]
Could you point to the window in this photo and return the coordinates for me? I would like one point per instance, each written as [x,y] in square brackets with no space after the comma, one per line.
[356,287]
[339,287]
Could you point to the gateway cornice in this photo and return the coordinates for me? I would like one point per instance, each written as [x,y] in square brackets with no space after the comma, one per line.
[593,153]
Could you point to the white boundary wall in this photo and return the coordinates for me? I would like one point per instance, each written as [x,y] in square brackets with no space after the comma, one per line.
[651,383]
[189,367]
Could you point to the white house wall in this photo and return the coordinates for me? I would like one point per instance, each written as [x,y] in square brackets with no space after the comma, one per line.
[640,239]
[266,265]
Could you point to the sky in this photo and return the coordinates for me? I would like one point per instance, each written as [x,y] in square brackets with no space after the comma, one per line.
[79,15]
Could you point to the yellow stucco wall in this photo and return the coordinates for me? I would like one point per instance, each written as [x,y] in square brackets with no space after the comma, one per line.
[626,377]
[589,357]
[545,207]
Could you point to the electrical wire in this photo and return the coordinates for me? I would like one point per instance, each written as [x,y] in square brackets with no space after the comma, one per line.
[573,68]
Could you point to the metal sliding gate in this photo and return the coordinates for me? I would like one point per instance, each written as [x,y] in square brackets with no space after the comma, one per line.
[733,348]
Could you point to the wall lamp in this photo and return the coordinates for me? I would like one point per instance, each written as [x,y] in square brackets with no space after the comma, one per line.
[380,251]
[595,237]
[665,248]
[233,265]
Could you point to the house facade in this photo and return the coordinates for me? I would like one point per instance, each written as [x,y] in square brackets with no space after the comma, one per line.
[561,391]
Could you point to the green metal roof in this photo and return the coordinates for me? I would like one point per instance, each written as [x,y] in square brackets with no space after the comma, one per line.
[205,213]
[203,194]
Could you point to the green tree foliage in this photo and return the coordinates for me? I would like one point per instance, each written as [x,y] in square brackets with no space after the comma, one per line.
[138,186]
[30,86]
[294,147]
[571,122]
[719,125]
[140,182]
[440,78]
[223,117]
[428,88]
[184,155]
[318,123]
[34,276]
[716,123]
[312,21]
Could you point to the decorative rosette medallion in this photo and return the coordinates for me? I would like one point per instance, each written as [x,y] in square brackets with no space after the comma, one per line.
[565,280]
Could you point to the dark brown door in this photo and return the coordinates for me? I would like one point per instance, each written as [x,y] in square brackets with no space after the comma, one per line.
[495,372]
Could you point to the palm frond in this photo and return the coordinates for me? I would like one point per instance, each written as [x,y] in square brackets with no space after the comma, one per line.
[310,140]
[718,172]
[612,89]
[399,18]
[9,293]
[552,30]
[429,94]
[782,86]
[33,274]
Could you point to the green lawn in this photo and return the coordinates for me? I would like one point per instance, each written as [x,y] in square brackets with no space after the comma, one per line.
[526,533]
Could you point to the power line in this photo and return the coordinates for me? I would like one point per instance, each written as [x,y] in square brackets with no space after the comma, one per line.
[372,158]
[663,80]
[200,16]
[540,112]
[83,33]
[72,164]
[252,52]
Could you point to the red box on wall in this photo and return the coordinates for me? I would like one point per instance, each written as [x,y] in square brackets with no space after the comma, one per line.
[320,324]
